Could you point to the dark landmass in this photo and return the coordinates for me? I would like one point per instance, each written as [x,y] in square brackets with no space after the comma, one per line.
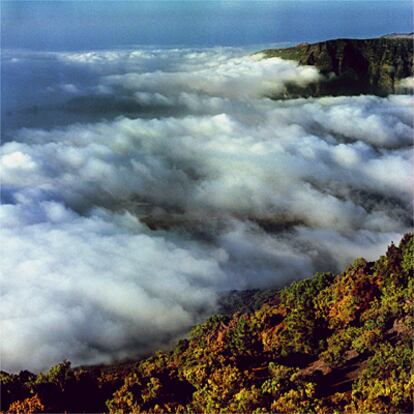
[330,343]
[352,66]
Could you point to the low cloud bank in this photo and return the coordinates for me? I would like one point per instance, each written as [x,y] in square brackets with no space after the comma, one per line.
[117,234]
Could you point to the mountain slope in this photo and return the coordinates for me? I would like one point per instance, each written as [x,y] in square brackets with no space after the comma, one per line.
[352,66]
[324,344]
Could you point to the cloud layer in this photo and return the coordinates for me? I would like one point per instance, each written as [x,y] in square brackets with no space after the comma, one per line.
[118,233]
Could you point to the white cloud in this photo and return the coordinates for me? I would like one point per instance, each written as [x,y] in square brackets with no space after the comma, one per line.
[244,191]
[234,78]
[91,288]
[407,83]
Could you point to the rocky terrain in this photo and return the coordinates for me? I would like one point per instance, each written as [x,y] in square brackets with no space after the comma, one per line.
[354,66]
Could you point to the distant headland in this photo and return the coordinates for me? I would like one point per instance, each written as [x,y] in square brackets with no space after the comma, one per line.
[376,66]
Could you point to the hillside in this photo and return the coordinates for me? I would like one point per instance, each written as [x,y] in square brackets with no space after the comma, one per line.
[325,344]
[352,66]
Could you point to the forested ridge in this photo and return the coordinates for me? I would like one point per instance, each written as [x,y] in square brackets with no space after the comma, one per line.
[326,344]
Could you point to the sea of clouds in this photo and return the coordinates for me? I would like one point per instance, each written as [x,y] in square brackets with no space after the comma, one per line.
[151,180]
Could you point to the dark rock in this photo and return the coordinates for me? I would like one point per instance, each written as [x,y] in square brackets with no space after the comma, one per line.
[353,66]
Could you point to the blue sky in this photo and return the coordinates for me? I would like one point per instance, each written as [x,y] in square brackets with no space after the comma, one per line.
[79,25]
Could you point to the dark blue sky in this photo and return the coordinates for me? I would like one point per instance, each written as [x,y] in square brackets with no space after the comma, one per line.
[77,25]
